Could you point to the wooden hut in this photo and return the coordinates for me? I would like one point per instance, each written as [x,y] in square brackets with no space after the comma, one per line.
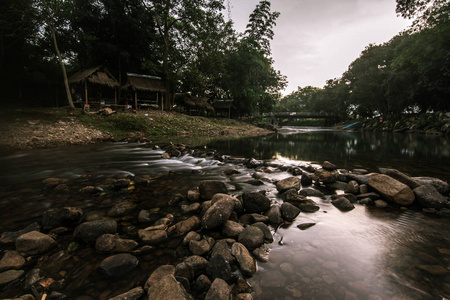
[223,106]
[151,90]
[194,105]
[101,82]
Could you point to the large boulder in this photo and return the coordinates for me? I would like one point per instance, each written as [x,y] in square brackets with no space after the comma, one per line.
[118,265]
[402,177]
[392,189]
[34,242]
[168,288]
[255,202]
[428,196]
[245,260]
[218,213]
[90,231]
[288,183]
[65,216]
[208,188]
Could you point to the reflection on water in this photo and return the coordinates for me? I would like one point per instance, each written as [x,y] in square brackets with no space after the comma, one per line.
[366,253]
[418,155]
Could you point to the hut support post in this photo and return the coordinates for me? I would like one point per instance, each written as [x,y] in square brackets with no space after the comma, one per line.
[135,100]
[115,97]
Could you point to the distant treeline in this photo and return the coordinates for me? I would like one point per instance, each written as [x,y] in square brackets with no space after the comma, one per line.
[410,73]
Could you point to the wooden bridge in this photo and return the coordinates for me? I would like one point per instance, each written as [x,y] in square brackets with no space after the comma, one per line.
[277,117]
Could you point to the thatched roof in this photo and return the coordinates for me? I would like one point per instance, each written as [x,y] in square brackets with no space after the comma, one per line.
[223,104]
[145,83]
[98,75]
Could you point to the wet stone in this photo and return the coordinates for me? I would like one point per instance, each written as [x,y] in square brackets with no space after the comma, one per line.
[90,231]
[112,243]
[168,288]
[11,260]
[34,242]
[118,265]
[218,213]
[66,216]
[255,202]
[310,192]
[222,248]
[232,229]
[199,247]
[252,237]
[352,187]
[268,237]
[274,214]
[191,236]
[262,253]
[122,209]
[10,237]
[245,260]
[289,211]
[219,267]
[288,183]
[10,276]
[158,274]
[208,188]
[152,237]
[219,290]
[202,283]
[428,196]
[183,227]
[191,209]
[343,204]
[305,226]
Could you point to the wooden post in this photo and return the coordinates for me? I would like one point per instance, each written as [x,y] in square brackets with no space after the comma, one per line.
[115,97]
[162,102]
[135,99]
[85,91]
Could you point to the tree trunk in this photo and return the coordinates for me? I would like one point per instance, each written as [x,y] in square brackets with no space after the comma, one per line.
[63,68]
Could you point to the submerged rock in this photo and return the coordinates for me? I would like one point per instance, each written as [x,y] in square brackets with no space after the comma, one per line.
[90,231]
[65,216]
[11,260]
[118,265]
[34,242]
[343,204]
[10,237]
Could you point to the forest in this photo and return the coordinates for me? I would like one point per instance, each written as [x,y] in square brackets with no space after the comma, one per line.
[188,43]
[408,74]
[195,49]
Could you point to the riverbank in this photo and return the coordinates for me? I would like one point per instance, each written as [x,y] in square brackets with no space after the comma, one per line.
[28,128]
[429,123]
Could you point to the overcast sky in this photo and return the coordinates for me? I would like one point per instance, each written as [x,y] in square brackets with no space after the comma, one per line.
[316,40]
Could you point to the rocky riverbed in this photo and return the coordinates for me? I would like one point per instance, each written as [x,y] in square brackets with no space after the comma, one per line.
[200,244]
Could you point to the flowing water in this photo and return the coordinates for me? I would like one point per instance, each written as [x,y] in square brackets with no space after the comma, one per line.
[367,253]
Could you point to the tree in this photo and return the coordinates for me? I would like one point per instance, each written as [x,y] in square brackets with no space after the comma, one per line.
[49,12]
[427,13]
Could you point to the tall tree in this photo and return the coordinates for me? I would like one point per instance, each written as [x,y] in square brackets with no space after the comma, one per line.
[427,13]
[49,11]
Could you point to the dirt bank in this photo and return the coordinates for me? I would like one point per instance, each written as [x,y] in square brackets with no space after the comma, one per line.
[27,128]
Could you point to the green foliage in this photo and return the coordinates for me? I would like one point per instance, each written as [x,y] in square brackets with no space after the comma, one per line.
[427,13]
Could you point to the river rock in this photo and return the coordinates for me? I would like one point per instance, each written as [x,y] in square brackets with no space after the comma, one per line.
[219,267]
[310,192]
[118,265]
[10,276]
[306,179]
[402,177]
[208,188]
[11,260]
[152,237]
[191,236]
[193,195]
[262,253]
[34,242]
[392,189]
[361,179]
[122,209]
[253,163]
[428,196]
[238,206]
[183,227]
[440,185]
[90,231]
[168,288]
[381,204]
[371,196]
[222,248]
[255,202]
[197,264]
[65,216]
[112,243]
[305,226]
[326,176]
[343,204]
[158,274]
[133,294]
[245,260]
[243,296]
[352,187]
[252,237]
[288,183]
[146,216]
[274,214]
[268,238]
[232,229]
[288,211]
[10,237]
[219,290]
[255,218]
[218,213]
[202,283]
[199,247]
[191,208]
[326,165]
